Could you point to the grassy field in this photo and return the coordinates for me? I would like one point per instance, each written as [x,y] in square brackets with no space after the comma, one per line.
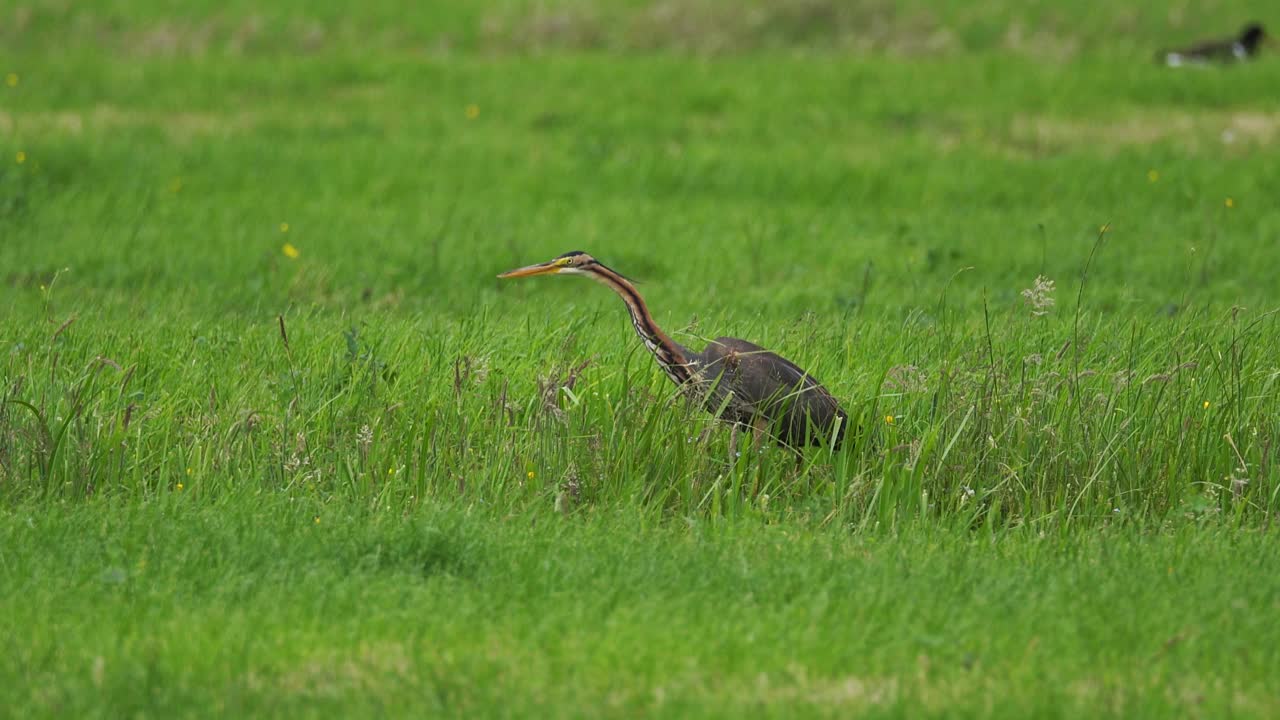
[274,440]
[180,607]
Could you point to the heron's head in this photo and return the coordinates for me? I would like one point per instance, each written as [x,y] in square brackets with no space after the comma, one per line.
[575,263]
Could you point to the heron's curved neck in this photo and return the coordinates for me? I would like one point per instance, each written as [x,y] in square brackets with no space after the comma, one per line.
[672,356]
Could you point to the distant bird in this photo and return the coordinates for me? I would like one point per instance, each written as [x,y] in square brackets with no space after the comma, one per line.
[745,384]
[1230,50]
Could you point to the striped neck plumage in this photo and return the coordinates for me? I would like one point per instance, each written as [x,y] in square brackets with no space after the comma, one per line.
[671,356]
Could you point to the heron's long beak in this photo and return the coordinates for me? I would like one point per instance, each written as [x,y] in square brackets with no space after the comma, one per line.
[549,268]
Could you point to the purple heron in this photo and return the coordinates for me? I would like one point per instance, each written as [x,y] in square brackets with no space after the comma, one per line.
[741,382]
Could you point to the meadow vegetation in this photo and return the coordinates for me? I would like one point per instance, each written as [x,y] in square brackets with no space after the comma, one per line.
[274,440]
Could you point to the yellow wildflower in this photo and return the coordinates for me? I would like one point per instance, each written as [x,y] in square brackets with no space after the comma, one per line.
[888,419]
[1206,404]
[21,157]
[290,251]
[1230,203]
[1153,175]
[473,111]
[11,79]
[188,471]
[317,519]
[284,227]
[531,474]
[179,487]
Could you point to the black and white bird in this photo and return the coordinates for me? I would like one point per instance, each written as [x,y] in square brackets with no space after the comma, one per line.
[1230,50]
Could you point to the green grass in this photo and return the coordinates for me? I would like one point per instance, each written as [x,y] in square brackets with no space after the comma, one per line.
[515,510]
[180,607]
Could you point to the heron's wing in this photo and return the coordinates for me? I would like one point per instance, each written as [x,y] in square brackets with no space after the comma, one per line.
[765,384]
[761,362]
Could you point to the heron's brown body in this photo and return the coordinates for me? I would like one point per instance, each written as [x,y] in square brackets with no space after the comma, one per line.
[741,382]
